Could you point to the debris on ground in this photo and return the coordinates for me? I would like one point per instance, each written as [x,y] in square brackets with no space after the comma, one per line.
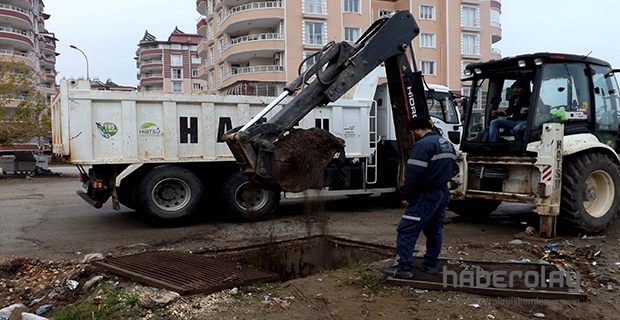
[539,315]
[154,298]
[92,257]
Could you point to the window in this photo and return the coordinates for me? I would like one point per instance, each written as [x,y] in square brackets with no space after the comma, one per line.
[428,68]
[175,46]
[464,64]
[427,12]
[313,6]
[559,94]
[383,13]
[427,40]
[211,56]
[311,61]
[470,44]
[606,99]
[351,34]
[194,73]
[177,86]
[177,73]
[313,33]
[176,60]
[197,86]
[196,60]
[352,6]
[470,16]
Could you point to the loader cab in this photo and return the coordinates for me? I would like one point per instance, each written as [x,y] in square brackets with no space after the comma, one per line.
[579,91]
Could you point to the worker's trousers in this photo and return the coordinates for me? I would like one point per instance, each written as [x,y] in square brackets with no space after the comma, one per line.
[425,214]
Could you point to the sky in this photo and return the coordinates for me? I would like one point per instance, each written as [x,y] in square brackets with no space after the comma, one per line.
[109,31]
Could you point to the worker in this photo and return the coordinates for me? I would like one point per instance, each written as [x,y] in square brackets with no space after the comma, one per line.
[518,107]
[425,195]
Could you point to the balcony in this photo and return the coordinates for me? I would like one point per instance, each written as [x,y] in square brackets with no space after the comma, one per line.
[48,61]
[149,54]
[16,17]
[16,38]
[151,64]
[203,48]
[253,45]
[268,73]
[201,7]
[49,47]
[17,57]
[150,80]
[496,26]
[254,15]
[201,27]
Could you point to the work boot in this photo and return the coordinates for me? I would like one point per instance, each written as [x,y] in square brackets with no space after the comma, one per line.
[397,272]
[429,270]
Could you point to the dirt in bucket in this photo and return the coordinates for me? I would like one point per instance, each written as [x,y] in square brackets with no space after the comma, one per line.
[301,156]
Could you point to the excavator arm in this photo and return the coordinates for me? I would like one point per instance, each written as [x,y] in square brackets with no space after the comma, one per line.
[275,155]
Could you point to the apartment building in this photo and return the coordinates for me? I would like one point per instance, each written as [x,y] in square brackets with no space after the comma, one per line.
[25,40]
[255,47]
[169,66]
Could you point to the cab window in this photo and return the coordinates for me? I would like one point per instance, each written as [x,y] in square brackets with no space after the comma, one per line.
[563,94]
[441,106]
[605,99]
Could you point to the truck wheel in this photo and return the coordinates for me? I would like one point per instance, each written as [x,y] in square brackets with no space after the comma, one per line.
[246,202]
[590,192]
[473,208]
[169,192]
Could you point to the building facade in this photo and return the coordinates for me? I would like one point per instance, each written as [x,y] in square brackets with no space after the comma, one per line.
[169,66]
[255,47]
[25,40]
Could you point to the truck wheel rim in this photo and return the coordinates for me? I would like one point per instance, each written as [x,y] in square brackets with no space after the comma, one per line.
[171,194]
[250,198]
[599,193]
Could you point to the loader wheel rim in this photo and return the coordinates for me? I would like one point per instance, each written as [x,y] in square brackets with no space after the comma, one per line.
[599,194]
[250,198]
[171,194]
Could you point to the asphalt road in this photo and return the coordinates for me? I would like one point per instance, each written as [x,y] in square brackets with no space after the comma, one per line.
[42,217]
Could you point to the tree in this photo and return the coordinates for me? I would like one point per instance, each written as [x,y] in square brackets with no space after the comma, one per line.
[23,109]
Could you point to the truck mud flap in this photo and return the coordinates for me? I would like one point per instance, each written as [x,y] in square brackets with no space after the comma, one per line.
[90,201]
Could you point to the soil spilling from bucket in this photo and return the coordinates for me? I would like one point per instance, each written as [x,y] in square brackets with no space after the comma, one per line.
[301,156]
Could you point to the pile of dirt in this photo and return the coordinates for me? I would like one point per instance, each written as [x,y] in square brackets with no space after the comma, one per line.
[301,156]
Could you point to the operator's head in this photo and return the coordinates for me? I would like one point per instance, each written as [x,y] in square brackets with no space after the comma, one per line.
[419,127]
[519,86]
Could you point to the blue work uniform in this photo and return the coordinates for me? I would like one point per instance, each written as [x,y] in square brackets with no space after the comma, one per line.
[429,168]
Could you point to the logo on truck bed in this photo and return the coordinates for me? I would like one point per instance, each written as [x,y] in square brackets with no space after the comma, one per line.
[149,129]
[107,129]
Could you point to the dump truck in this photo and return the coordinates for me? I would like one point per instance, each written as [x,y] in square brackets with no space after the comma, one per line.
[165,154]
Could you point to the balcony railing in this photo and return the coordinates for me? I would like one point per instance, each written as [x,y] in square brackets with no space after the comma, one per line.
[14,8]
[254,37]
[152,62]
[254,5]
[496,51]
[15,31]
[255,69]
[13,53]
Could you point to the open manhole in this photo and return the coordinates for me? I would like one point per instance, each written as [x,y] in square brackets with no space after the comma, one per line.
[305,256]
[216,270]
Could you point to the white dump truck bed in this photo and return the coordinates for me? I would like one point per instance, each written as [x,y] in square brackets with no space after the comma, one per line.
[106,127]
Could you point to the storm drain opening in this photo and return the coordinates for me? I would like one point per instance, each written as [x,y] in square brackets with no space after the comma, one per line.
[304,257]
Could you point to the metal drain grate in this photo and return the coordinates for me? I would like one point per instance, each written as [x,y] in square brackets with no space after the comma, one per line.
[183,272]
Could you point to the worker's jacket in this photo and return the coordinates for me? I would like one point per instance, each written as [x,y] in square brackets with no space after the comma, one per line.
[430,166]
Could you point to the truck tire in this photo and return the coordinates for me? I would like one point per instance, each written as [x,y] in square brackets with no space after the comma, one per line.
[473,208]
[247,203]
[590,192]
[169,192]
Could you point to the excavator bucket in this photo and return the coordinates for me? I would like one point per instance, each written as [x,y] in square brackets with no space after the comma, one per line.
[300,157]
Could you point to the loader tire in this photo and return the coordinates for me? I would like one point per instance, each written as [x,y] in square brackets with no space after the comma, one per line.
[473,208]
[247,203]
[169,193]
[590,192]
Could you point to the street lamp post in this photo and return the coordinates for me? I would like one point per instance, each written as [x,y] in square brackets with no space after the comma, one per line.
[85,57]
